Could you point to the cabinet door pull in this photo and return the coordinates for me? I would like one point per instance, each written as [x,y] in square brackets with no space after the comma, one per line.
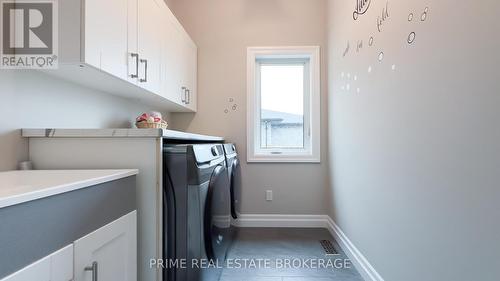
[188,96]
[145,70]
[183,95]
[136,56]
[94,269]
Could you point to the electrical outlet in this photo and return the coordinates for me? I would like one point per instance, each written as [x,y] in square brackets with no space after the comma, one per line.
[269,195]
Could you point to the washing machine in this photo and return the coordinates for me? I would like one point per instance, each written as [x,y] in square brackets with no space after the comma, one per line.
[197,211]
[234,173]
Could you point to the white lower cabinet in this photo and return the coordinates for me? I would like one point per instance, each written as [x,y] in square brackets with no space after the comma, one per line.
[62,264]
[107,254]
[55,267]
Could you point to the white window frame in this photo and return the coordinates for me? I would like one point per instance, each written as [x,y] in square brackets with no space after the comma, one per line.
[312,107]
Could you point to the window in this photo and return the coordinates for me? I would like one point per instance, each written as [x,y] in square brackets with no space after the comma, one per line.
[283,119]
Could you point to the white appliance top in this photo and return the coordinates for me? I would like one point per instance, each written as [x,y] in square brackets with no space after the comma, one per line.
[116,133]
[18,187]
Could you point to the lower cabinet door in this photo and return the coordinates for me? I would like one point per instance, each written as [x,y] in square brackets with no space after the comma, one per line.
[39,270]
[55,267]
[61,265]
[109,253]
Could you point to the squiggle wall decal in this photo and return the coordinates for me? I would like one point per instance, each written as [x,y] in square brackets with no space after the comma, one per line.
[361,8]
[381,19]
[350,84]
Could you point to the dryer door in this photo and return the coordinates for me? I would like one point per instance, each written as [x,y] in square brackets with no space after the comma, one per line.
[217,218]
[235,188]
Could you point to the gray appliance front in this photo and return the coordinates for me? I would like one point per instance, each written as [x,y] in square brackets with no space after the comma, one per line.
[193,177]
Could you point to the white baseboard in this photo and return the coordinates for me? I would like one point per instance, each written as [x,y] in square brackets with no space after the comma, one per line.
[314,221]
[358,259]
[296,221]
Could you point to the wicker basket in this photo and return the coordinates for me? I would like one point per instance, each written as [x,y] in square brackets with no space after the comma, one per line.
[153,125]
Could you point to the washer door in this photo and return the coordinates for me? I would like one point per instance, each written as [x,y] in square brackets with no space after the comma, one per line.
[217,218]
[235,188]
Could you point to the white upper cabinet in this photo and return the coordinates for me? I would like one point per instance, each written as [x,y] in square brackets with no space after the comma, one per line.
[150,31]
[132,54]
[172,61]
[190,70]
[132,48]
[179,64]
[170,49]
[106,36]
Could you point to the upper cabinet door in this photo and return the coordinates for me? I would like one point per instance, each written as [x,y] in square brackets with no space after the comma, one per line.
[179,65]
[109,252]
[106,36]
[132,54]
[149,43]
[172,87]
[190,71]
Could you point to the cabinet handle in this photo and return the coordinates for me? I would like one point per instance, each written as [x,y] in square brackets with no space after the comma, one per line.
[188,96]
[94,269]
[145,71]
[184,96]
[136,56]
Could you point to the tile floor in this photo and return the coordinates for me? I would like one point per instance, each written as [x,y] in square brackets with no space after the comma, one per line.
[278,244]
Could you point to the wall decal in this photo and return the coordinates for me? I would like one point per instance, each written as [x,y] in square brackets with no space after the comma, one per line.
[384,24]
[347,49]
[424,15]
[381,19]
[381,56]
[411,37]
[231,105]
[359,46]
[361,8]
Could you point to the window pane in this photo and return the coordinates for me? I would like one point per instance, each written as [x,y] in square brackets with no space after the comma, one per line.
[282,105]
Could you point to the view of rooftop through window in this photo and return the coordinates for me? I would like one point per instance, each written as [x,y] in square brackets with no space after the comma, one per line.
[282,105]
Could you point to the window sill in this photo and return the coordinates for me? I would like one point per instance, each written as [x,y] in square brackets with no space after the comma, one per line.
[284,159]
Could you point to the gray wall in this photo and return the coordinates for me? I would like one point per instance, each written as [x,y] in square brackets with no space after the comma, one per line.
[30,99]
[223,29]
[415,155]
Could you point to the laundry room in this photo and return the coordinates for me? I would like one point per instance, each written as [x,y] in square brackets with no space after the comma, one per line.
[249,140]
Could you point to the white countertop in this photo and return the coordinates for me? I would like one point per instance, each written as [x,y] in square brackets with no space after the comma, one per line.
[22,186]
[116,133]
